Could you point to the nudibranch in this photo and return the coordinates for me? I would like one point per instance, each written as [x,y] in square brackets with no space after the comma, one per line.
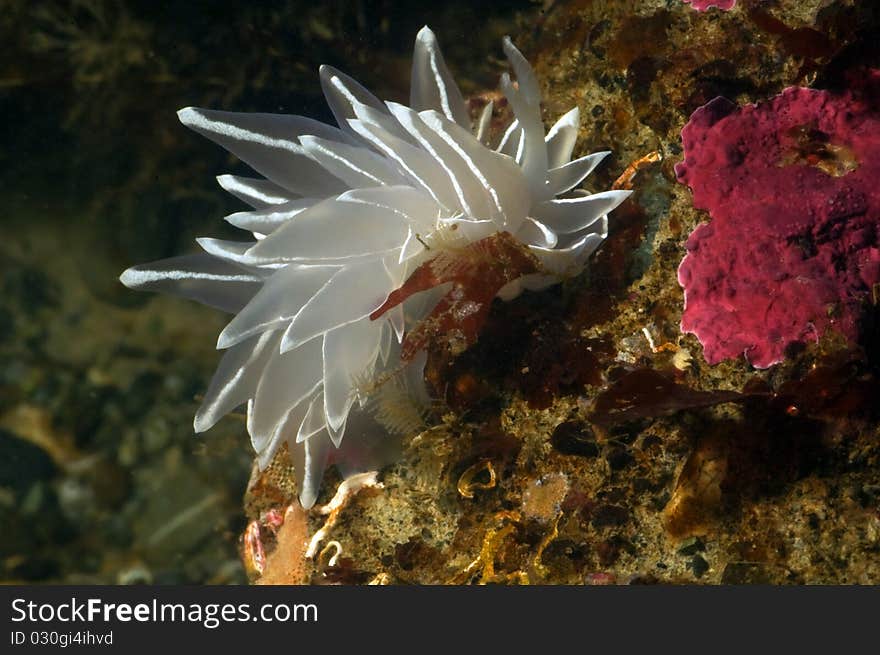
[342,216]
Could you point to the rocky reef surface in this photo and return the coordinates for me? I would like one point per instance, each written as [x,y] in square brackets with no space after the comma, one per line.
[585,438]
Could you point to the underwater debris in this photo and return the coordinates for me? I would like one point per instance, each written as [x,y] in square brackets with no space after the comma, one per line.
[791,251]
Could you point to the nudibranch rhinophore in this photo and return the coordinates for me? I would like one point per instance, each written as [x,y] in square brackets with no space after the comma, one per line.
[342,216]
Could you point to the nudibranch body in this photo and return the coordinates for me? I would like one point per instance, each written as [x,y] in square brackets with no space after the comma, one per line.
[340,219]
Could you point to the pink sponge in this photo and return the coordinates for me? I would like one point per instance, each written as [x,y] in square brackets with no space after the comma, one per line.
[793,189]
[703,5]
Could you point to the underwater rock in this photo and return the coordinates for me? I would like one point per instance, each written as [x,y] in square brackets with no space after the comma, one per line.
[792,249]
[646,393]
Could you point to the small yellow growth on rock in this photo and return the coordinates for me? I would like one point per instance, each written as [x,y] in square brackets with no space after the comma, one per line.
[543,496]
[485,563]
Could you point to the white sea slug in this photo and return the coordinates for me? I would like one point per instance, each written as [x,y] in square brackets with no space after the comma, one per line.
[340,218]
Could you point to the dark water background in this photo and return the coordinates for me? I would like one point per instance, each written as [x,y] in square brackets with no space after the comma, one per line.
[101,478]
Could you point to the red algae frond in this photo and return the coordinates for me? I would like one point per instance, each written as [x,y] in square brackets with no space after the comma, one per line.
[477,272]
